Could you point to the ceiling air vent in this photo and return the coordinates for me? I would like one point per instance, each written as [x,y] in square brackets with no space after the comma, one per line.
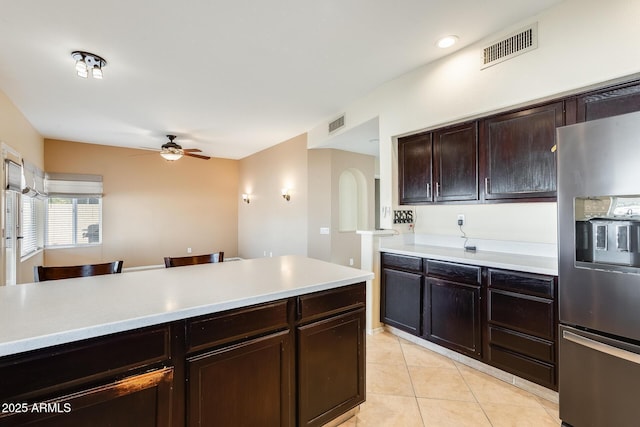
[512,45]
[336,124]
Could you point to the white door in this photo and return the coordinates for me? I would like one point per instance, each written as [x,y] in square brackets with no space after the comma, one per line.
[11,236]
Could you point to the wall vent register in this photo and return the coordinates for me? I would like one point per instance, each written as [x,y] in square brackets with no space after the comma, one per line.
[336,124]
[515,44]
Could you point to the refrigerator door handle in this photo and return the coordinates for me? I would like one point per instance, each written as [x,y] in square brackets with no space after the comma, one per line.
[601,347]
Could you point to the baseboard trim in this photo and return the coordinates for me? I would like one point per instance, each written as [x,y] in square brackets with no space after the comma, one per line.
[507,377]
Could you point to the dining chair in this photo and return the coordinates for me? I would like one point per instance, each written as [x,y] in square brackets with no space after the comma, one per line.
[42,273]
[192,260]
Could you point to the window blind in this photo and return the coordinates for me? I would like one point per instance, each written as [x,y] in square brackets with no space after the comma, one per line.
[13,177]
[32,226]
[74,221]
[73,185]
[32,180]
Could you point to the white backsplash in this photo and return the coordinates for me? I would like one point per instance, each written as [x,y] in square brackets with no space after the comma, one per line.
[506,246]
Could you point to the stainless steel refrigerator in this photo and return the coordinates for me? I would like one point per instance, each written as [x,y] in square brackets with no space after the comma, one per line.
[599,272]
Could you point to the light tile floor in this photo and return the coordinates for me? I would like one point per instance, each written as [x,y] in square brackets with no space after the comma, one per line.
[408,385]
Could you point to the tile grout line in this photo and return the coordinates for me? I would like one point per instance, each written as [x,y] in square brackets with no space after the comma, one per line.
[473,393]
[406,365]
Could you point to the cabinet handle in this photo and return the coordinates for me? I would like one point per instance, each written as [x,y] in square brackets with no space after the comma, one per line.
[437,189]
[601,347]
[428,190]
[487,190]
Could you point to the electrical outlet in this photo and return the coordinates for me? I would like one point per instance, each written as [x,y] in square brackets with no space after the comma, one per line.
[460,220]
[188,250]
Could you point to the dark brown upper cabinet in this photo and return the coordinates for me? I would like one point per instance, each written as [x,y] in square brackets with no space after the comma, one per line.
[440,166]
[415,175]
[611,101]
[455,163]
[517,156]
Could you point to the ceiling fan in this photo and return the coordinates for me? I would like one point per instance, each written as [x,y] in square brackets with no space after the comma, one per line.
[173,151]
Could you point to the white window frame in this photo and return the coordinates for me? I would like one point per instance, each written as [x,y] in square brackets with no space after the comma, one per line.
[74,225]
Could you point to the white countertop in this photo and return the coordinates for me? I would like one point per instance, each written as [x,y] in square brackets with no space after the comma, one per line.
[38,315]
[504,260]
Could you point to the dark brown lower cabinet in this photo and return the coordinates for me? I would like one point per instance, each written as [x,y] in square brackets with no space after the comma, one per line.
[295,361]
[451,316]
[401,299]
[247,384]
[143,400]
[522,325]
[331,367]
[507,319]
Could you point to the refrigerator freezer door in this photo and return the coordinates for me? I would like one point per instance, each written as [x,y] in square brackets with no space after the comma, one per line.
[599,380]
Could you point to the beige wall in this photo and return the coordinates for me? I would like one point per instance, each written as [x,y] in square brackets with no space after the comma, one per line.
[570,56]
[319,163]
[325,169]
[269,225]
[17,133]
[151,208]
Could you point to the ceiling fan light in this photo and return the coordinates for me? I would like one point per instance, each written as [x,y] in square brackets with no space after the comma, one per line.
[171,155]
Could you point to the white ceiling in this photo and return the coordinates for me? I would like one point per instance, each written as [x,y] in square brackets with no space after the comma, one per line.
[229,77]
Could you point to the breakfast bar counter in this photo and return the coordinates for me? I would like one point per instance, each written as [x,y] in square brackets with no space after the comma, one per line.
[232,343]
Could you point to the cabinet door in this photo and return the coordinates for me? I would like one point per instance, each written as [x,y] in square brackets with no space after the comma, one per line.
[452,316]
[612,101]
[331,367]
[401,300]
[518,161]
[138,401]
[414,169]
[456,163]
[247,384]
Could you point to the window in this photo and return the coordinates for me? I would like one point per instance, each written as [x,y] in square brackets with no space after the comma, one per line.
[73,221]
[74,209]
[29,189]
[32,225]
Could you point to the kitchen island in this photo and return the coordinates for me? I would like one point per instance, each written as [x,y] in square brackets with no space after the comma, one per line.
[269,341]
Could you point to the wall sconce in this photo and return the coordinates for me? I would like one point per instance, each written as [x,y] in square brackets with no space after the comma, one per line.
[86,62]
[285,194]
[245,198]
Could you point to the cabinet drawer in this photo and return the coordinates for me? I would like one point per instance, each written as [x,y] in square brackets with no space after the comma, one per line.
[138,400]
[532,284]
[57,368]
[537,348]
[527,368]
[455,272]
[531,315]
[234,325]
[325,303]
[403,262]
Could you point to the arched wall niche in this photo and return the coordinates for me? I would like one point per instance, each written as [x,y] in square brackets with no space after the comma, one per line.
[352,200]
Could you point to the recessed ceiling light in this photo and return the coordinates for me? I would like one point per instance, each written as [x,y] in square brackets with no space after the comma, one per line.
[447,41]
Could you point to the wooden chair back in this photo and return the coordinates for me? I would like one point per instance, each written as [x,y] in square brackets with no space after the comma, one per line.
[192,260]
[42,274]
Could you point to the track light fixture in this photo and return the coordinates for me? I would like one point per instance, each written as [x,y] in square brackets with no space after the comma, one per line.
[88,62]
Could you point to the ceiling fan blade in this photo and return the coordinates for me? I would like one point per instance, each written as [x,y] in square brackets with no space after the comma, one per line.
[197,156]
[192,150]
